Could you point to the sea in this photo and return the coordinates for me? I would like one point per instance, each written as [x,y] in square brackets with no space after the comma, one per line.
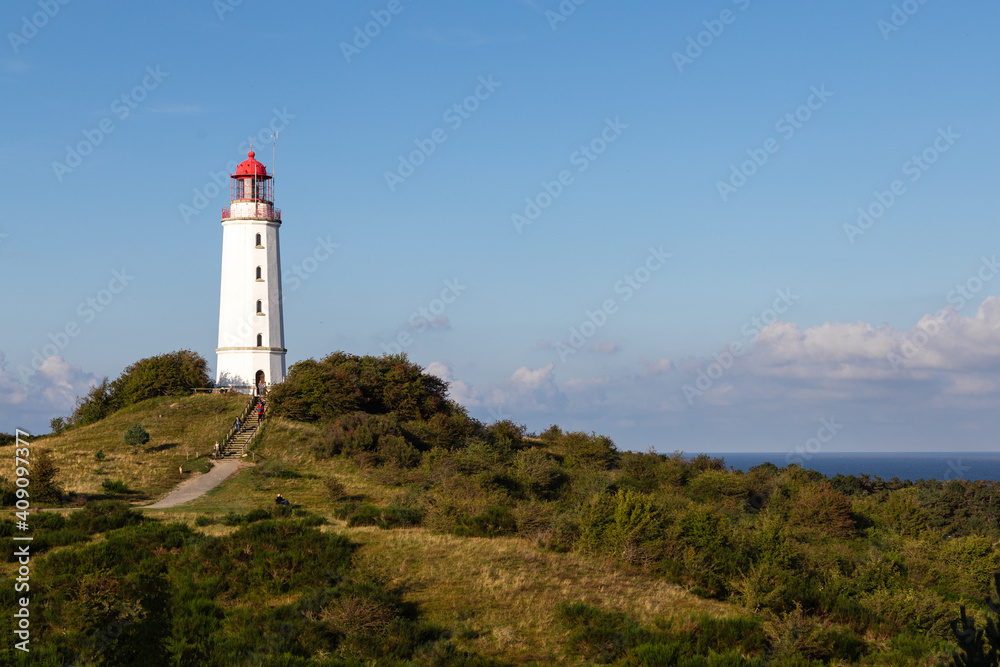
[911,466]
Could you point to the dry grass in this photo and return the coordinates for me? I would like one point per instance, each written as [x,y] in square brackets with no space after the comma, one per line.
[181,430]
[505,590]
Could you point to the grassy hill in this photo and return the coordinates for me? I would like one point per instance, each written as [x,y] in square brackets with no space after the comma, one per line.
[498,597]
[182,431]
[420,536]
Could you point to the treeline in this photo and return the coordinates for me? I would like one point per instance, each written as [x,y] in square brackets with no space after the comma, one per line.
[172,374]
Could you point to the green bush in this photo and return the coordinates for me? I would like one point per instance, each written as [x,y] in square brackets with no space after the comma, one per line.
[136,435]
[539,474]
[343,383]
[494,522]
[626,526]
[274,470]
[44,487]
[590,451]
[335,489]
[99,516]
[116,486]
[172,374]
[393,516]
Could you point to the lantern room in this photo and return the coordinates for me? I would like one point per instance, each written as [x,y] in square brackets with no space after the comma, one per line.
[251,192]
[250,182]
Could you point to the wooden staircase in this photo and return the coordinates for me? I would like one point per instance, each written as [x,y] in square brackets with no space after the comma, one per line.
[235,445]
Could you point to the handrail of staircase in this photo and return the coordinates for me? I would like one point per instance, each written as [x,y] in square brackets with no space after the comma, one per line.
[243,418]
[253,436]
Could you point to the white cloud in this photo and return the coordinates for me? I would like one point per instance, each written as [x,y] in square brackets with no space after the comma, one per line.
[789,377]
[51,392]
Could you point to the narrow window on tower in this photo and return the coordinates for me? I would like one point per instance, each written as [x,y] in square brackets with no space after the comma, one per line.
[260,340]
[259,274]
[258,242]
[260,307]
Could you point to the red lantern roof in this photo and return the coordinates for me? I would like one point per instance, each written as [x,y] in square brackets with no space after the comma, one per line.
[250,167]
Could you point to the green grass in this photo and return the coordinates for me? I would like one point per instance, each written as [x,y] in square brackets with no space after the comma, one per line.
[182,433]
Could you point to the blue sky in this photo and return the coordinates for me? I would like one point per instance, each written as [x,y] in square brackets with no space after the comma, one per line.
[645,111]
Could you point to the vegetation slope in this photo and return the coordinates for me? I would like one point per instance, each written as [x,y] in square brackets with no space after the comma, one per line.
[418,534]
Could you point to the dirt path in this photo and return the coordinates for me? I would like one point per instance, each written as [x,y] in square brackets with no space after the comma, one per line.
[198,486]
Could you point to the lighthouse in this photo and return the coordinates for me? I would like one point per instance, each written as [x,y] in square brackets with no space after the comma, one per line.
[251,350]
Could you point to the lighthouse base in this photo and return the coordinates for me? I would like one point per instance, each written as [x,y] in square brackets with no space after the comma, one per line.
[248,367]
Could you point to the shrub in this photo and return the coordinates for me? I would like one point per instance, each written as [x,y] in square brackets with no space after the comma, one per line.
[494,522]
[541,476]
[99,516]
[99,456]
[394,516]
[590,451]
[395,451]
[624,526]
[115,486]
[43,477]
[274,470]
[822,510]
[136,435]
[981,646]
[335,489]
[343,383]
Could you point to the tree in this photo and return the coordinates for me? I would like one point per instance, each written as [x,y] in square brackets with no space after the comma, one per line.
[973,640]
[136,435]
[344,383]
[96,405]
[43,474]
[172,374]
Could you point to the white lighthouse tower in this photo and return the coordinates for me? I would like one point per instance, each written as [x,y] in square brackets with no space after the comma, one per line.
[251,328]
